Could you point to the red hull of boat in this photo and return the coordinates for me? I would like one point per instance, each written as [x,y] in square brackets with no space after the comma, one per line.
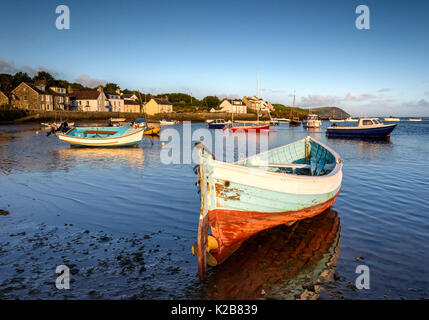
[250,128]
[232,228]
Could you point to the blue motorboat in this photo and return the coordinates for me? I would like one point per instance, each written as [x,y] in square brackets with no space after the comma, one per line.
[217,124]
[366,128]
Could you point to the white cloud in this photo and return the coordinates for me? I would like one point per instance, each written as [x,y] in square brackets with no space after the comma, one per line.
[10,68]
[314,100]
[385,90]
[87,81]
[422,103]
[351,96]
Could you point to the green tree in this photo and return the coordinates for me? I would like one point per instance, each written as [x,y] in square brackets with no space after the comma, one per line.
[111,87]
[6,83]
[43,75]
[210,102]
[20,77]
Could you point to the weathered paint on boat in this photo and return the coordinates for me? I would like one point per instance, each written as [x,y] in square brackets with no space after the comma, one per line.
[88,137]
[240,199]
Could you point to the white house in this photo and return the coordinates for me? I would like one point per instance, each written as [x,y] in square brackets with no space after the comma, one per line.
[232,106]
[256,103]
[89,101]
[129,96]
[116,102]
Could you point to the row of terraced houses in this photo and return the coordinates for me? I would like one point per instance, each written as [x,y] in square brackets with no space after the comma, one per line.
[36,96]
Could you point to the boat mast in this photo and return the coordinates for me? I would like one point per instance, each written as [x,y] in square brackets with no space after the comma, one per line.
[257,95]
[293,105]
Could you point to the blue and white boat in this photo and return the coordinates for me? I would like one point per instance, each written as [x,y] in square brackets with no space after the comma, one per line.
[280,186]
[217,124]
[141,123]
[366,128]
[125,135]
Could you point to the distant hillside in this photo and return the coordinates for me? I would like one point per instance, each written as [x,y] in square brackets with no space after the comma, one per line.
[324,112]
[331,112]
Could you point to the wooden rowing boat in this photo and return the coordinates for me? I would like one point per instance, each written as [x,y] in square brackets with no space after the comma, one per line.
[103,136]
[280,186]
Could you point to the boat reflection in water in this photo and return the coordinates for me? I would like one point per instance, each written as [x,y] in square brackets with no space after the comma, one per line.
[102,157]
[280,263]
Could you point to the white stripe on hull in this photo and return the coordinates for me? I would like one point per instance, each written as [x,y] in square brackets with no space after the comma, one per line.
[133,138]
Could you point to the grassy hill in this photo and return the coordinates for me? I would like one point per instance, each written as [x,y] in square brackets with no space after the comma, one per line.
[324,112]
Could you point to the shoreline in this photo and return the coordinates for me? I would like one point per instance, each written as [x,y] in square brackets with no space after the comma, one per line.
[35,116]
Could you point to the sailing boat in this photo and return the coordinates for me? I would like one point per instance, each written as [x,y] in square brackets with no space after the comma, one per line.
[294,121]
[252,128]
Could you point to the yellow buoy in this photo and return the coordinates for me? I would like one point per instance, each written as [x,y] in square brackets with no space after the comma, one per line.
[212,243]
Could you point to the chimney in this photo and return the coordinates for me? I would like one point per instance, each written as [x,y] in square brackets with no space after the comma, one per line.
[118,91]
[69,89]
[100,89]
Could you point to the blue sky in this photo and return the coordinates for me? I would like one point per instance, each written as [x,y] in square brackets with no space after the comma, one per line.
[218,47]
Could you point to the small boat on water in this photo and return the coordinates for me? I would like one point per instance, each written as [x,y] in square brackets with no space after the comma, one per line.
[103,136]
[280,186]
[274,122]
[252,128]
[168,122]
[117,122]
[283,120]
[392,119]
[56,125]
[312,121]
[367,128]
[415,119]
[140,123]
[295,122]
[152,131]
[217,124]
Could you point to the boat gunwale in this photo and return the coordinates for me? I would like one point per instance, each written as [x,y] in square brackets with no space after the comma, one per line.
[255,170]
[92,139]
[361,127]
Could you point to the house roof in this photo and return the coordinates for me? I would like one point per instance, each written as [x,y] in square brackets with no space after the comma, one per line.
[108,94]
[85,94]
[32,86]
[162,101]
[131,102]
[128,95]
[235,102]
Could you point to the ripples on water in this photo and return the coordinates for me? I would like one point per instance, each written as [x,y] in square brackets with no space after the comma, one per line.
[148,212]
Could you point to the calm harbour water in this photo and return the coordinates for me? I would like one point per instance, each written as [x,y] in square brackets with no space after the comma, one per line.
[125,223]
